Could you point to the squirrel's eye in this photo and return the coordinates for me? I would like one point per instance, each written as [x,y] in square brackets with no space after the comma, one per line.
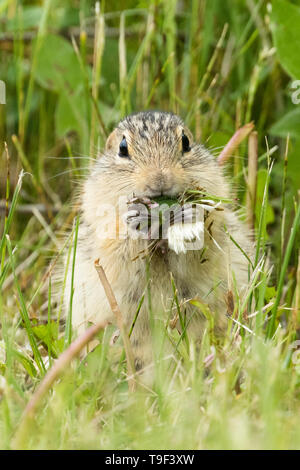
[185,143]
[123,149]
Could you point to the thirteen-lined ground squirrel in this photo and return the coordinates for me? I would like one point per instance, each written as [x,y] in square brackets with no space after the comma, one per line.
[150,155]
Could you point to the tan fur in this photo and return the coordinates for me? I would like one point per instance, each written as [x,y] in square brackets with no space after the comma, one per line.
[156,163]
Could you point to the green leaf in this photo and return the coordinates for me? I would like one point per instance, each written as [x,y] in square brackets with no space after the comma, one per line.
[29,18]
[285,26]
[293,169]
[288,124]
[26,363]
[270,293]
[44,334]
[57,66]
[70,113]
[41,331]
[161,200]
[58,346]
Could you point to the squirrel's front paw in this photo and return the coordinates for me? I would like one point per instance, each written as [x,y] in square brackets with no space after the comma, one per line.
[137,223]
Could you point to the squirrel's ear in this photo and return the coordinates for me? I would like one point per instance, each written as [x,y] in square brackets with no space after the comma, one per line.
[188,133]
[112,141]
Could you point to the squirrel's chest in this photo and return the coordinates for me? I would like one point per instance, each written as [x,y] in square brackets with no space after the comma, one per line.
[164,277]
[169,272]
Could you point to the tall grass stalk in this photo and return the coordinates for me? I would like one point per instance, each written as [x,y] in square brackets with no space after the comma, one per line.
[170,30]
[9,217]
[252,176]
[38,43]
[283,208]
[287,255]
[68,331]
[24,313]
[261,232]
[97,60]
[122,65]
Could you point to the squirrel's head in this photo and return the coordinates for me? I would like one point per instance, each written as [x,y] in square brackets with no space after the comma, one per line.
[152,148]
[152,154]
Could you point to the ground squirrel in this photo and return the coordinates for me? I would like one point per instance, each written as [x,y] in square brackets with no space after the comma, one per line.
[152,154]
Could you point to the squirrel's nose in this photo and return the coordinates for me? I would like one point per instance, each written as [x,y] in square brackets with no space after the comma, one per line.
[153,191]
[156,184]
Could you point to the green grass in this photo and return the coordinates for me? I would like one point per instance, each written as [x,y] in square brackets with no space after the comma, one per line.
[212,63]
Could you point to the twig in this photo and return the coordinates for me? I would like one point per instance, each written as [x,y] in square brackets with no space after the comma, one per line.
[119,321]
[252,177]
[52,375]
[234,142]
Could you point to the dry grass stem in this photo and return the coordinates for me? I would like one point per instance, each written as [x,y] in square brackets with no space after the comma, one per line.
[119,321]
[234,142]
[252,178]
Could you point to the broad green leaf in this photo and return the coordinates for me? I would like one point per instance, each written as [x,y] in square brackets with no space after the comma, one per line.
[288,124]
[57,66]
[29,18]
[217,140]
[42,333]
[110,114]
[293,169]
[26,363]
[58,346]
[285,25]
[270,293]
[71,113]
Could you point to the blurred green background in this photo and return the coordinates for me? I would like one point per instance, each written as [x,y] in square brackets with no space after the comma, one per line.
[71,70]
